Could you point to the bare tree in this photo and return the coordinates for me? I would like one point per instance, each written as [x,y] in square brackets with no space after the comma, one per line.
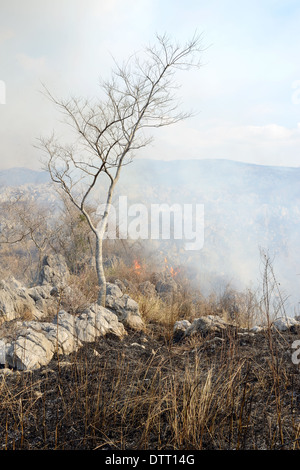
[26,221]
[139,95]
[29,227]
[74,238]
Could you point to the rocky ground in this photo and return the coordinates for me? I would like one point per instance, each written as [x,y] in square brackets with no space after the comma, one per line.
[114,379]
[143,392]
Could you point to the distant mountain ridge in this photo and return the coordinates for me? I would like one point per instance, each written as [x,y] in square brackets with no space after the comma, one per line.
[22,176]
[210,174]
[215,176]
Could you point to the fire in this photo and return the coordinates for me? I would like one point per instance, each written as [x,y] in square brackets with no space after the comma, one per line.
[172,271]
[137,267]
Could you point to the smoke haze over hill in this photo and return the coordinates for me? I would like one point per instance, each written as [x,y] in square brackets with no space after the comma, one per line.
[246,207]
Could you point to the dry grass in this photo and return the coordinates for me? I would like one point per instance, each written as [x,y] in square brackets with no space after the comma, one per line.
[197,395]
[146,392]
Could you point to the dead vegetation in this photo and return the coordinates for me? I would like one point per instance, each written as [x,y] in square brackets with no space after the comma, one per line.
[145,393]
[225,391]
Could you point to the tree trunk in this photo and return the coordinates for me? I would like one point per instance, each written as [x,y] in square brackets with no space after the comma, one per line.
[100,233]
[100,271]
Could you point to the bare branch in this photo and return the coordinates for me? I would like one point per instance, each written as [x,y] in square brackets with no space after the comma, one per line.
[139,95]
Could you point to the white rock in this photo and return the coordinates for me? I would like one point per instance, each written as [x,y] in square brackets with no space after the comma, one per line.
[62,340]
[67,321]
[181,325]
[2,352]
[285,323]
[54,271]
[15,302]
[256,329]
[206,325]
[113,290]
[36,342]
[97,321]
[30,352]
[179,329]
[124,307]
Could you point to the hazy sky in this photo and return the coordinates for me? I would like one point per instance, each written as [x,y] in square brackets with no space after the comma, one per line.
[247,94]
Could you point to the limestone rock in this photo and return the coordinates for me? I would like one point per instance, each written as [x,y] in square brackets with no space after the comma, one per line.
[67,321]
[121,285]
[63,341]
[165,285]
[30,351]
[35,343]
[2,352]
[206,325]
[112,290]
[97,321]
[43,298]
[54,271]
[15,302]
[148,289]
[285,323]
[179,329]
[257,329]
[126,309]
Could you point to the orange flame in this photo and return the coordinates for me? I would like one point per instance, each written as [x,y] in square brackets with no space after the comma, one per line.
[171,270]
[137,267]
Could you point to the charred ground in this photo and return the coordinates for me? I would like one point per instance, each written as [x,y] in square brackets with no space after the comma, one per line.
[145,392]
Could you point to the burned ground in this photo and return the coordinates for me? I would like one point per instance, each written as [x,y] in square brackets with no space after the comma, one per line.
[145,392]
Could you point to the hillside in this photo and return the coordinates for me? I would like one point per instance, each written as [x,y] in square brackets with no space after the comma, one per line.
[184,377]
[14,177]
[161,366]
[246,207]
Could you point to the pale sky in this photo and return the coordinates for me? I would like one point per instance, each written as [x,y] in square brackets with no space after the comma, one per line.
[246,94]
